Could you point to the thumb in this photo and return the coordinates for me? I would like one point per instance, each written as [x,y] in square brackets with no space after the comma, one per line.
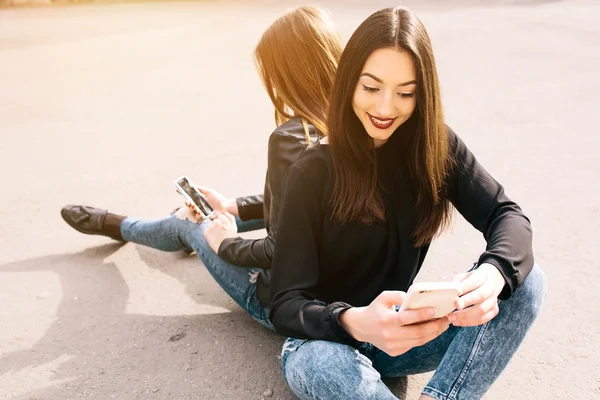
[203,189]
[458,278]
[390,298]
[464,282]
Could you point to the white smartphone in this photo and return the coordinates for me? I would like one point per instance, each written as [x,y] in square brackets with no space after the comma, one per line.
[193,196]
[440,295]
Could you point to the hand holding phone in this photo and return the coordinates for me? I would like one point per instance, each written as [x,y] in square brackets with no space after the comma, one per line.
[478,303]
[393,332]
[193,196]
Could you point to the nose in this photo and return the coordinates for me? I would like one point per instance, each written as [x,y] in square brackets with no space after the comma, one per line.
[384,106]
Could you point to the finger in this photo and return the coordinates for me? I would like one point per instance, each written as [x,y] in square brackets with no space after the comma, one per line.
[475,315]
[476,320]
[409,317]
[425,329]
[209,231]
[223,219]
[472,282]
[442,327]
[419,334]
[203,189]
[461,277]
[405,338]
[187,203]
[390,298]
[230,217]
[481,294]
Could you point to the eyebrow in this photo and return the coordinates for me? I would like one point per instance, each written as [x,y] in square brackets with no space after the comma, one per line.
[413,82]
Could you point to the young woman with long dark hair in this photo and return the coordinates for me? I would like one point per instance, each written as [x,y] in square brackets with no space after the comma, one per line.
[359,212]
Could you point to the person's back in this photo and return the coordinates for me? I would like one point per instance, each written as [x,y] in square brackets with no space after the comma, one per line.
[297,67]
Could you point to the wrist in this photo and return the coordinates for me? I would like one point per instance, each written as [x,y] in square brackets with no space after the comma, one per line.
[497,276]
[216,245]
[349,319]
[232,207]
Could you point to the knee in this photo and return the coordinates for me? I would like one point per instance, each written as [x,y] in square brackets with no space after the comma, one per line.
[197,240]
[532,292]
[326,370]
[306,365]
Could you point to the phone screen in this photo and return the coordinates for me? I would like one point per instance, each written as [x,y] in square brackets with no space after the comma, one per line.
[203,205]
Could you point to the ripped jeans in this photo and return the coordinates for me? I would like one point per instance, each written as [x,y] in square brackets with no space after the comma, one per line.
[174,234]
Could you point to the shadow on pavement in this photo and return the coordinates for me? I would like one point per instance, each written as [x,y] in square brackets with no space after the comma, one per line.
[84,351]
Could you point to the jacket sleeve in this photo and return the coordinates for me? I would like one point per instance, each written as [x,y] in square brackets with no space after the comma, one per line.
[250,207]
[258,253]
[481,200]
[294,310]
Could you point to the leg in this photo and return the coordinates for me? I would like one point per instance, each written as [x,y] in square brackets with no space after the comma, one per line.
[173,234]
[471,358]
[478,355]
[163,234]
[321,370]
[238,282]
[251,225]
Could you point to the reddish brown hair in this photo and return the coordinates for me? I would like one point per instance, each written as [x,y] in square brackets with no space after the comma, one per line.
[297,57]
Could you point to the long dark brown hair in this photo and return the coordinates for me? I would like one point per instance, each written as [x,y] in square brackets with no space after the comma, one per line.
[426,154]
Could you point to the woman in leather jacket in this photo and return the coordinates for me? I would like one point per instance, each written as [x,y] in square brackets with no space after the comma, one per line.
[296,58]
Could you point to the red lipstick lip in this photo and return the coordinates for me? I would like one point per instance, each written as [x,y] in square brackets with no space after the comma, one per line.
[390,122]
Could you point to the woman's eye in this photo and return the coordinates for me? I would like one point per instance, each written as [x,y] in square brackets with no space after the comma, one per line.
[407,94]
[370,89]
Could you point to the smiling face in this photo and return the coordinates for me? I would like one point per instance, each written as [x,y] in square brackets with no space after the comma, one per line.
[384,97]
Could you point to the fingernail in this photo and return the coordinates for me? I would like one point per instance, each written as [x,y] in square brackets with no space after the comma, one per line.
[431,313]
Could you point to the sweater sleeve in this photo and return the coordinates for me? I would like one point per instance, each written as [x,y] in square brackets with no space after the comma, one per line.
[481,200]
[250,207]
[258,253]
[294,310]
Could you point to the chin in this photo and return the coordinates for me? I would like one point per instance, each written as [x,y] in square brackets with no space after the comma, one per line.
[380,138]
[379,134]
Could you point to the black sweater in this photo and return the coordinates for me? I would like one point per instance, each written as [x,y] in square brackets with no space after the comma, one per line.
[343,265]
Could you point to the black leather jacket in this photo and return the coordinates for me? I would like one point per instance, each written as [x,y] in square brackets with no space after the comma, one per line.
[286,144]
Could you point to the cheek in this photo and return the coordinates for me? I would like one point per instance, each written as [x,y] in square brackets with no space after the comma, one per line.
[408,107]
[360,102]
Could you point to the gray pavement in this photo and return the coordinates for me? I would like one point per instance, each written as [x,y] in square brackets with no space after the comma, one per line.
[107,104]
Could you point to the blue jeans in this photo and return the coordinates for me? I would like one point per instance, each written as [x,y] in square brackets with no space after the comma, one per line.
[467,360]
[174,234]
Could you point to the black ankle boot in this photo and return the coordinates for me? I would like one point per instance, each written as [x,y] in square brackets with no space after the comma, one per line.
[93,221]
